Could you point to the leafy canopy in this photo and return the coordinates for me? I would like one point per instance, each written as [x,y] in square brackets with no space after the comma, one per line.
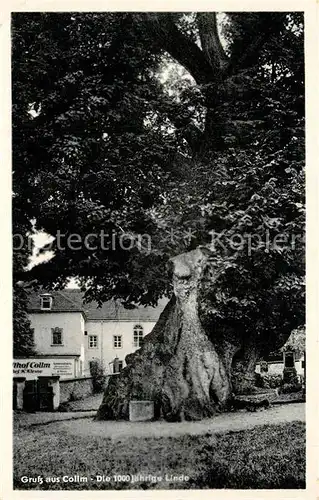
[145,123]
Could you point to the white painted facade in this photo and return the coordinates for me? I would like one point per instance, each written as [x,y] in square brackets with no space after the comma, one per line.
[72,327]
[104,335]
[76,335]
[105,351]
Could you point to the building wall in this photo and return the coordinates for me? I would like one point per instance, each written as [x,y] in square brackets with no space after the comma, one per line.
[73,332]
[277,367]
[71,390]
[274,367]
[43,366]
[105,351]
[298,366]
[75,342]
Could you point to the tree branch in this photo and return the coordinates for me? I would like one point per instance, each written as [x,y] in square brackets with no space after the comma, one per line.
[181,48]
[265,26]
[210,41]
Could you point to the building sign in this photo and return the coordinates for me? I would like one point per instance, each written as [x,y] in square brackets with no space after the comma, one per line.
[32,368]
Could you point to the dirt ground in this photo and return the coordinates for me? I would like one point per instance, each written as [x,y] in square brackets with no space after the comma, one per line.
[27,420]
[82,424]
[85,404]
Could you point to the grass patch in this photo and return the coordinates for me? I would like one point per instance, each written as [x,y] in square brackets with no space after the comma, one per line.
[269,456]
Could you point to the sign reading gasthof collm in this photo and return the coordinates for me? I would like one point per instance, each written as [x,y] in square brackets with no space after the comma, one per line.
[33,368]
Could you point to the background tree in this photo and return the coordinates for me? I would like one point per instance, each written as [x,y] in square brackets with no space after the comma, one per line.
[23,341]
[147,123]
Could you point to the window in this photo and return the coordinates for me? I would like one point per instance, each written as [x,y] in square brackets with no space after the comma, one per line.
[117,341]
[263,367]
[57,336]
[93,341]
[138,336]
[46,303]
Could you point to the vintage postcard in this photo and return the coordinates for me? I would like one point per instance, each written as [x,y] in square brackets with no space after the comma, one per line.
[157,244]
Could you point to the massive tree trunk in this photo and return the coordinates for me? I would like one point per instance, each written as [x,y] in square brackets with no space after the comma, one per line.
[184,367]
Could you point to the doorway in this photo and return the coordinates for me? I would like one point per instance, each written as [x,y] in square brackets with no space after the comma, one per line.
[38,395]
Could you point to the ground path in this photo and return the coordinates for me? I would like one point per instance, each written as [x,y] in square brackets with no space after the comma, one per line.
[85,404]
[74,423]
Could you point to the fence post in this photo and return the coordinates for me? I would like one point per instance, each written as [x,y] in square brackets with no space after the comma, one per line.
[55,383]
[20,384]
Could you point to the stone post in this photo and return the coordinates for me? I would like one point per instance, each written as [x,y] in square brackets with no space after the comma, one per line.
[20,384]
[304,374]
[55,384]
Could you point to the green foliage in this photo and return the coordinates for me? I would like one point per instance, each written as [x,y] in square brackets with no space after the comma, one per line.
[269,381]
[290,376]
[98,375]
[290,388]
[97,153]
[23,341]
[296,342]
[114,148]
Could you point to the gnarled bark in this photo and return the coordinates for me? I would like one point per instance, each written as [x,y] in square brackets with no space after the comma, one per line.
[186,366]
[178,367]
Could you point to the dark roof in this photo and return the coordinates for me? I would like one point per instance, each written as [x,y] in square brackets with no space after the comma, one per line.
[71,300]
[63,301]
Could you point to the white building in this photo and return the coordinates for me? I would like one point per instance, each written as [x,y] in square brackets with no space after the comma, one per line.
[71,334]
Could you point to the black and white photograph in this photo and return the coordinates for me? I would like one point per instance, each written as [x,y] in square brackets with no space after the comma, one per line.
[158,250]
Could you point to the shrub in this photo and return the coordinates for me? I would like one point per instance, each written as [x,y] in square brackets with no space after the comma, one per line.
[259,382]
[290,376]
[98,376]
[268,381]
[272,381]
[290,388]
